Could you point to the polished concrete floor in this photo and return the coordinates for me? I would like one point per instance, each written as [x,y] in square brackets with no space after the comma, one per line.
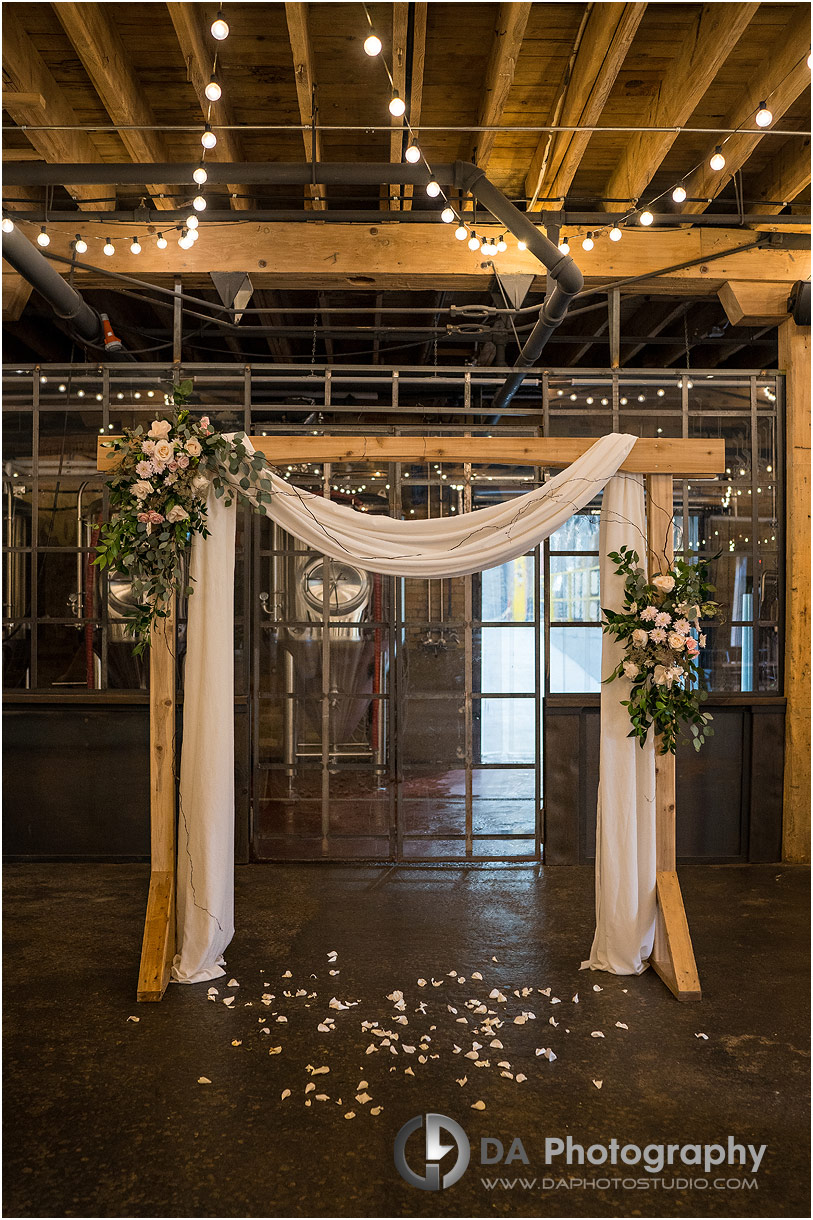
[105,1116]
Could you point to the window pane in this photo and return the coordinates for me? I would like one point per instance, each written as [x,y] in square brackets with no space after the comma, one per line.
[507,730]
[508,660]
[575,659]
[507,592]
[579,533]
[574,589]
[727,660]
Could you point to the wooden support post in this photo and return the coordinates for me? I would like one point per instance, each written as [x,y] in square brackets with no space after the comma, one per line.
[158,945]
[672,954]
[794,361]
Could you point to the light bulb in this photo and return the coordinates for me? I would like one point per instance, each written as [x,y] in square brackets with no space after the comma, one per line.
[213,90]
[200,175]
[80,245]
[194,234]
[109,248]
[461,232]
[199,203]
[208,139]
[42,238]
[162,242]
[220,29]
[474,242]
[397,106]
[661,393]
[192,221]
[502,244]
[717,159]
[588,242]
[432,189]
[646,218]
[521,245]
[372,45]
[412,154]
[8,225]
[135,246]
[564,246]
[447,215]
[488,246]
[185,242]
[615,233]
[679,194]
[764,118]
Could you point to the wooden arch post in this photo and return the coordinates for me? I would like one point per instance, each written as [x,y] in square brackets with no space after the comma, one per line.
[660,460]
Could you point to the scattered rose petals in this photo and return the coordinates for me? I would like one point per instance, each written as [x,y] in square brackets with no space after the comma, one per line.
[285,1093]
[597,988]
[408,1072]
[204,1080]
[274,1050]
[350,1114]
[287,975]
[520,1076]
[376,1109]
[229,1001]
[363,1098]
[480,1105]
[213,991]
[598,1083]
[576,998]
[621,1025]
[232,983]
[332,955]
[135,1019]
[310,1088]
[421,982]
[284,1020]
[477,975]
[237,1042]
[597,1034]
[462,1080]
[704,1036]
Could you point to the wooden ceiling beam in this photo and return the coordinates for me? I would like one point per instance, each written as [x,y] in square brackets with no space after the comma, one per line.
[645,322]
[786,176]
[97,42]
[25,72]
[400,38]
[421,256]
[306,92]
[712,33]
[607,37]
[783,77]
[198,51]
[416,81]
[509,32]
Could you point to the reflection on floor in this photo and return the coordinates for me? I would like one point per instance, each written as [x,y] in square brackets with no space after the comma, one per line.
[106,1116]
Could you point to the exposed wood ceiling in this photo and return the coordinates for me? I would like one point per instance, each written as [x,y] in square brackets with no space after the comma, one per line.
[119,79]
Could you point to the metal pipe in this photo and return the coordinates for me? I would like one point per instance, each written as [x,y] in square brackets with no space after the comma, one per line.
[63,299]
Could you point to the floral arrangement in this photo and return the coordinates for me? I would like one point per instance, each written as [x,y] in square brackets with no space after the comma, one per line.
[158,495]
[659,628]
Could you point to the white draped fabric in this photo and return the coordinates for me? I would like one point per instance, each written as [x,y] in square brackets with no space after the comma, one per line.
[451,546]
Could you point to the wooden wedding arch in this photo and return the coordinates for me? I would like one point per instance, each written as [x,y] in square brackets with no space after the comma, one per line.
[660,460]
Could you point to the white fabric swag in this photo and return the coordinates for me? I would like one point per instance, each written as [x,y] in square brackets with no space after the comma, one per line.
[442,547]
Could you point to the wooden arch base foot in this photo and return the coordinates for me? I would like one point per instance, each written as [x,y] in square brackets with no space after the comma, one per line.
[672,955]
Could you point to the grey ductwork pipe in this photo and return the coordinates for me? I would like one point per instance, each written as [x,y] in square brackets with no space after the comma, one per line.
[568,279]
[63,299]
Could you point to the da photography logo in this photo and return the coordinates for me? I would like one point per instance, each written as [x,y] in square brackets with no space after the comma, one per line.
[435,1149]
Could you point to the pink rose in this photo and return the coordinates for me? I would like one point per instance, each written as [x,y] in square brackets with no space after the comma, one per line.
[173,465]
[143,518]
[155,518]
[692,647]
[204,423]
[182,461]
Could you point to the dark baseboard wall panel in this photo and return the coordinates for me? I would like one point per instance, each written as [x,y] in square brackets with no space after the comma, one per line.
[76,782]
[729,795]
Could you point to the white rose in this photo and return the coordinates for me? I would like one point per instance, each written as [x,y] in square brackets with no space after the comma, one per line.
[640,637]
[631,669]
[200,485]
[176,513]
[665,583]
[142,489]
[162,452]
[676,641]
[193,447]
[659,675]
[160,429]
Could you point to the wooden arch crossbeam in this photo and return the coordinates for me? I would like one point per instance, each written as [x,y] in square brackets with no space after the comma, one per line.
[660,460]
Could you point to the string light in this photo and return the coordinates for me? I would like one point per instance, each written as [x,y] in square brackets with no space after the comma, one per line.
[208,139]
[8,224]
[461,232]
[521,245]
[200,176]
[199,203]
[219,27]
[679,193]
[588,242]
[372,45]
[615,233]
[397,105]
[412,154]
[646,217]
[717,161]
[80,245]
[192,222]
[764,118]
[447,215]
[502,244]
[213,90]
[432,189]
[109,248]
[185,241]
[135,246]
[42,237]
[474,241]
[564,246]
[162,242]
[489,246]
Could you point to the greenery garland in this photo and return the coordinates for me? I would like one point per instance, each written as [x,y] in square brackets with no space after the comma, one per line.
[158,496]
[659,628]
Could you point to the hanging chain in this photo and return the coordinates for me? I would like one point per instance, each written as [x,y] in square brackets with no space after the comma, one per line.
[313,345]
